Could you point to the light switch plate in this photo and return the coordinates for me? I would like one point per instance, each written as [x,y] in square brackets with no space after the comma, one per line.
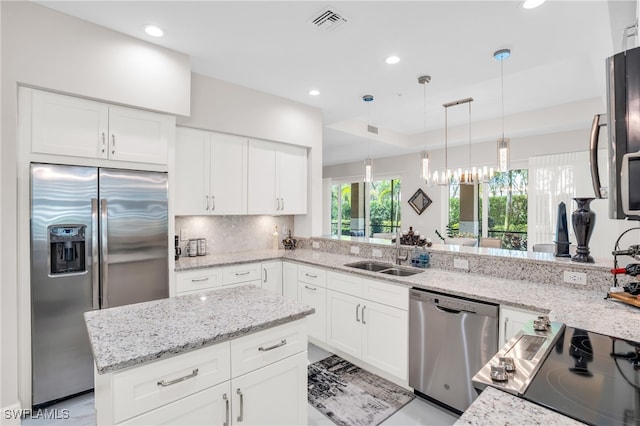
[355,250]
[460,263]
[183,235]
[376,253]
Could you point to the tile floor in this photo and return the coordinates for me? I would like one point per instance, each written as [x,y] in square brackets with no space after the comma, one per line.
[417,413]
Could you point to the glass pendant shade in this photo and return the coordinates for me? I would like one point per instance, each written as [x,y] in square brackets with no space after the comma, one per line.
[503,154]
[368,165]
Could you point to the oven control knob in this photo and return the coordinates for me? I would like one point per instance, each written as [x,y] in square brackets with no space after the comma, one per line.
[508,363]
[499,373]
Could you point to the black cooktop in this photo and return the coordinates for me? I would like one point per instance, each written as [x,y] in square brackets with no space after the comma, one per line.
[593,378]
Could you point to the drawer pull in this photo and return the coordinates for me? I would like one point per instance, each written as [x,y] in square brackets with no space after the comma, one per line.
[200,280]
[310,275]
[277,345]
[226,410]
[357,309]
[241,404]
[193,374]
[310,288]
[242,273]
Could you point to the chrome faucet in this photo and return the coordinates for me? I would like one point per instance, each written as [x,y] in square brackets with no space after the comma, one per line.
[400,256]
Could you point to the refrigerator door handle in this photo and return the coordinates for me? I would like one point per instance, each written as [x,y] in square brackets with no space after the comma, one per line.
[105,253]
[95,261]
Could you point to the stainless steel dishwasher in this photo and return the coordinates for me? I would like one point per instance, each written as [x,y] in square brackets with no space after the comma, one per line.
[450,340]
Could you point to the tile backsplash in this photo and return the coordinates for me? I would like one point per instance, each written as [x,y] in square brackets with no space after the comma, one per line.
[228,234]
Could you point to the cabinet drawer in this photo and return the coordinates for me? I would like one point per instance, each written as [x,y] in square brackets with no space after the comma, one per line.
[387,294]
[143,388]
[345,283]
[241,273]
[266,347]
[201,279]
[311,275]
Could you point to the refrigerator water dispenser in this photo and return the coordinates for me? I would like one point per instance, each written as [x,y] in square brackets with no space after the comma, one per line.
[67,249]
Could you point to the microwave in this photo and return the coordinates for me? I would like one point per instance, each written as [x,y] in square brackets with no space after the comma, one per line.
[623,128]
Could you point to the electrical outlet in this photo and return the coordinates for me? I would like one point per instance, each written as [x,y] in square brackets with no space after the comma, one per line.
[571,277]
[355,250]
[460,263]
[376,253]
[183,235]
[316,245]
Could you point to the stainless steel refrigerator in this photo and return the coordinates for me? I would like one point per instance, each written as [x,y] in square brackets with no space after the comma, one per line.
[99,238]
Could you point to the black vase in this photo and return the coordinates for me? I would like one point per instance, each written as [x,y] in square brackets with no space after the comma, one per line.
[583,220]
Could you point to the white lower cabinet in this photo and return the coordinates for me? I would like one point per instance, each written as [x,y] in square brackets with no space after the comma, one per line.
[512,320]
[290,280]
[259,379]
[315,296]
[272,276]
[375,332]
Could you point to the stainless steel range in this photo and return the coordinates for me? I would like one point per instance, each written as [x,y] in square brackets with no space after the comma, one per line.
[584,375]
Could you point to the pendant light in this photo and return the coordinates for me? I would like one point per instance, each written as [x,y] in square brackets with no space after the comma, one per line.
[425,173]
[503,145]
[368,163]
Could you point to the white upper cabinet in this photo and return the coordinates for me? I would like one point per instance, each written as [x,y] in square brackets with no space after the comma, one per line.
[64,125]
[210,173]
[277,182]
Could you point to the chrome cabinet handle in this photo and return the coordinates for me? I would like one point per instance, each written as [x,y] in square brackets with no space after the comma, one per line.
[213,202]
[241,404]
[193,374]
[310,288]
[506,320]
[95,270]
[357,317]
[225,398]
[265,275]
[200,280]
[113,143]
[207,198]
[282,199]
[310,275]
[277,204]
[277,345]
[242,273]
[363,308]
[104,141]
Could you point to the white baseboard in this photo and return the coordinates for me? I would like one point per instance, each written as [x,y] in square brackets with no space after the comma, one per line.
[10,415]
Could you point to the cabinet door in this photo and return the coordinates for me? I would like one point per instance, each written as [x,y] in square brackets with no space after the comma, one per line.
[385,338]
[344,322]
[192,167]
[262,178]
[228,174]
[316,297]
[512,320]
[292,179]
[63,125]
[139,136]
[290,280]
[272,395]
[208,407]
[272,276]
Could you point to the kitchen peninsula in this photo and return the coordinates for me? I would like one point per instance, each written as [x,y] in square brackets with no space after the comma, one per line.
[237,352]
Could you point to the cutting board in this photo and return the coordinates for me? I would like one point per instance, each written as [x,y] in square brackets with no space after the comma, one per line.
[626,298]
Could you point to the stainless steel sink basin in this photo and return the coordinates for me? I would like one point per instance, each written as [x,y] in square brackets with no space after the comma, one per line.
[370,266]
[383,268]
[400,272]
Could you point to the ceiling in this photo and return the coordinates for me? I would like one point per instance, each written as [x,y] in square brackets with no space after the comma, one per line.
[557,61]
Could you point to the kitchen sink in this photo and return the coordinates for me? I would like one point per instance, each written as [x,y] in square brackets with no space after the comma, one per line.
[370,266]
[383,268]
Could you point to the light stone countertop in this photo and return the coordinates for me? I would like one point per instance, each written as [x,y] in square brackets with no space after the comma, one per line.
[577,308]
[130,335]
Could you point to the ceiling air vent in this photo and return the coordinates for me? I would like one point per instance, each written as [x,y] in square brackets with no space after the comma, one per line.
[372,129]
[328,19]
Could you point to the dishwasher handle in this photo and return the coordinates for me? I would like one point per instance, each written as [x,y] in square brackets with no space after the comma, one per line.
[448,310]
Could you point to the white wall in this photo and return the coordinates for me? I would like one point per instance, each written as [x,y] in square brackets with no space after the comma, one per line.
[225,107]
[47,49]
[407,167]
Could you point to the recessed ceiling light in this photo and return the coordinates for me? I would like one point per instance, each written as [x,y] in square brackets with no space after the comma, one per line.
[391,60]
[532,4]
[153,31]
[314,92]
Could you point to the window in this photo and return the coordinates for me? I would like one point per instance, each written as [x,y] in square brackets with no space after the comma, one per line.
[506,202]
[358,209]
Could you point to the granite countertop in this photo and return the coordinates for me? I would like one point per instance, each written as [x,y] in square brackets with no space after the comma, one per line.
[129,335]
